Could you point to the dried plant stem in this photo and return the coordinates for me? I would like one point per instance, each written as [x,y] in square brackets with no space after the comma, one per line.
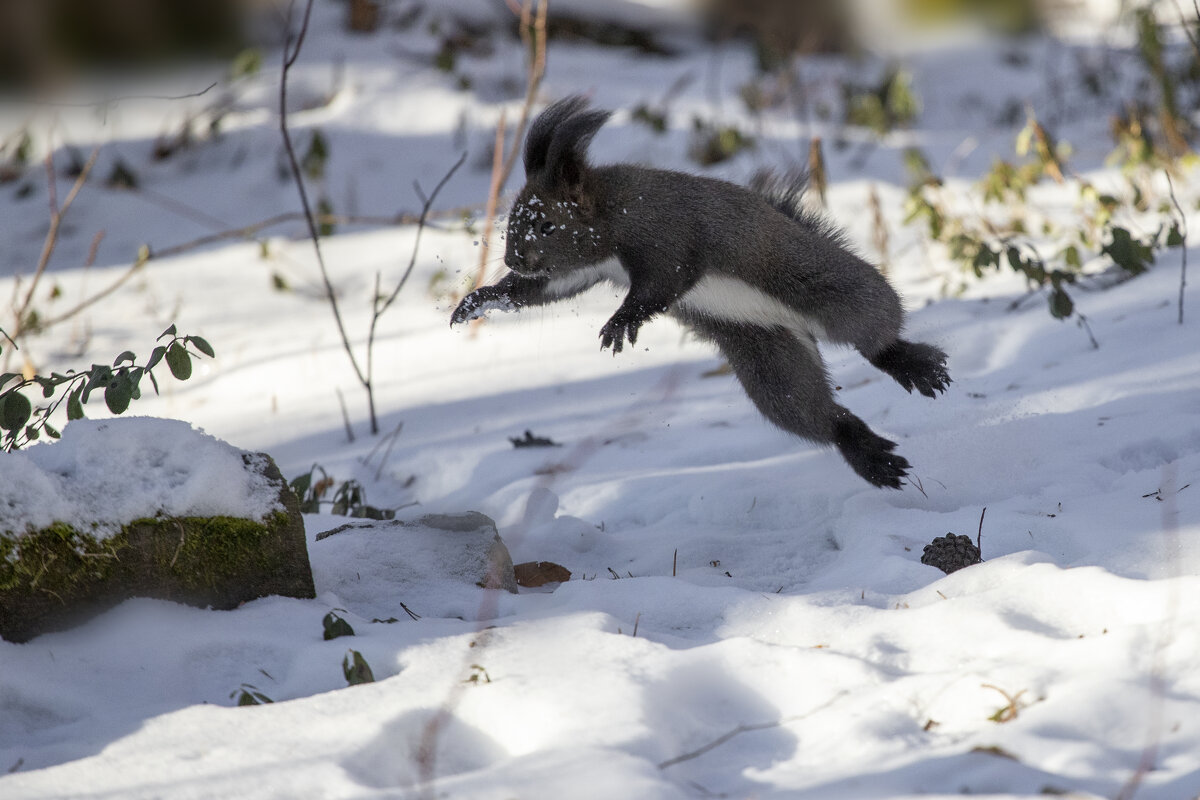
[1183,230]
[533,36]
[291,51]
[379,304]
[57,213]
[489,222]
[20,310]
[880,231]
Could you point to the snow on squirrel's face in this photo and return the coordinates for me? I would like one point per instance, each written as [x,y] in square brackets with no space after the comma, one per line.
[547,235]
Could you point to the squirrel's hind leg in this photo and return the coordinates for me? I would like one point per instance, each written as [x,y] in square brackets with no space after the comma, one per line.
[786,380]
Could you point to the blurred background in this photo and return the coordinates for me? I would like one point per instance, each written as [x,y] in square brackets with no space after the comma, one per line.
[45,42]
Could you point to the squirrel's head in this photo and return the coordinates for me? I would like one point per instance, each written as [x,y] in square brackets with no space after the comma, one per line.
[555,224]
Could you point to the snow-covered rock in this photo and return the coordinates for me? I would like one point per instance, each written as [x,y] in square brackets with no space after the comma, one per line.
[141,507]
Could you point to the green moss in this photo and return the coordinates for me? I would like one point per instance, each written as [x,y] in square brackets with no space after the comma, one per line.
[57,560]
[205,552]
[58,575]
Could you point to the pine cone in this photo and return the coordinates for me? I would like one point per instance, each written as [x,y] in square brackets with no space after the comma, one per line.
[951,552]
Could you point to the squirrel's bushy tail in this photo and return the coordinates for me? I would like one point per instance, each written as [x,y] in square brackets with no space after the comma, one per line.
[785,192]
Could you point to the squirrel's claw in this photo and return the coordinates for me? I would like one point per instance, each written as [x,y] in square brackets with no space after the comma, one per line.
[477,304]
[617,330]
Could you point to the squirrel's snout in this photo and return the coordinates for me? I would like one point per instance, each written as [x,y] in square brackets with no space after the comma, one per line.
[520,263]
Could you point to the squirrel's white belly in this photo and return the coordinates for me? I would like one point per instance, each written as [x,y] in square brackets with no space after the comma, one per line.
[716,296]
[726,298]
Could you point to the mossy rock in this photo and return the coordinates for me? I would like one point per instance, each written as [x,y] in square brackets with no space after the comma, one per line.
[58,576]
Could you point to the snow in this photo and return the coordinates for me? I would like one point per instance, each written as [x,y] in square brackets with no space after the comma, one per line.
[103,474]
[746,618]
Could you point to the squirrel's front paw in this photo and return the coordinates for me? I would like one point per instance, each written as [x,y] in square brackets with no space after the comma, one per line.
[475,305]
[617,329]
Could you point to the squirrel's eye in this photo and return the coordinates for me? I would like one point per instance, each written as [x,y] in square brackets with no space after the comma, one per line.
[547,228]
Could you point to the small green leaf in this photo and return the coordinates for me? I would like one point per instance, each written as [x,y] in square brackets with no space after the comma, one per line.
[118,393]
[245,63]
[248,695]
[1071,256]
[202,345]
[1061,306]
[31,433]
[74,406]
[126,356]
[51,431]
[15,411]
[335,626]
[155,356]
[168,332]
[356,669]
[179,362]
[1127,252]
[1175,236]
[313,161]
[8,376]
[1014,258]
[299,485]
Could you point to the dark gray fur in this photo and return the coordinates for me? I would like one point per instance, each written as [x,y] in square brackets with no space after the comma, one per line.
[794,278]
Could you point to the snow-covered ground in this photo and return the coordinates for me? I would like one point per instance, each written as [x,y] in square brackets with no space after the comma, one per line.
[746,618]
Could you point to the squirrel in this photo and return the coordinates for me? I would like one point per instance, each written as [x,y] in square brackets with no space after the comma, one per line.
[745,267]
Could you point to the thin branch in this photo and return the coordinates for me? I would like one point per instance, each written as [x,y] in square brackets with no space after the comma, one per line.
[110,101]
[57,214]
[247,231]
[1187,31]
[291,51]
[533,36]
[489,221]
[1183,230]
[377,307]
[537,70]
[421,221]
[979,533]
[740,729]
[98,296]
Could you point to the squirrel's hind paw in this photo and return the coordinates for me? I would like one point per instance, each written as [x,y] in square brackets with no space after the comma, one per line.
[869,454]
[915,365]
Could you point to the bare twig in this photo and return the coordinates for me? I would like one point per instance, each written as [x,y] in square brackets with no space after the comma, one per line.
[291,51]
[979,533]
[379,305]
[534,39]
[247,231]
[1083,323]
[345,417]
[57,213]
[56,217]
[489,220]
[1187,31]
[740,729]
[1183,230]
[422,218]
[111,101]
[143,257]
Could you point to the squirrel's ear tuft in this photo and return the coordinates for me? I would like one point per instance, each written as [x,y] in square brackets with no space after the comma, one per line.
[557,143]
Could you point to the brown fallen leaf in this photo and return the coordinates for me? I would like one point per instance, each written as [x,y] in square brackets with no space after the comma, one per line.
[532,574]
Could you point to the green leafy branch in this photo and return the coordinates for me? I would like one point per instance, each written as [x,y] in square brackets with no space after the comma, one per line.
[21,422]
[984,241]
